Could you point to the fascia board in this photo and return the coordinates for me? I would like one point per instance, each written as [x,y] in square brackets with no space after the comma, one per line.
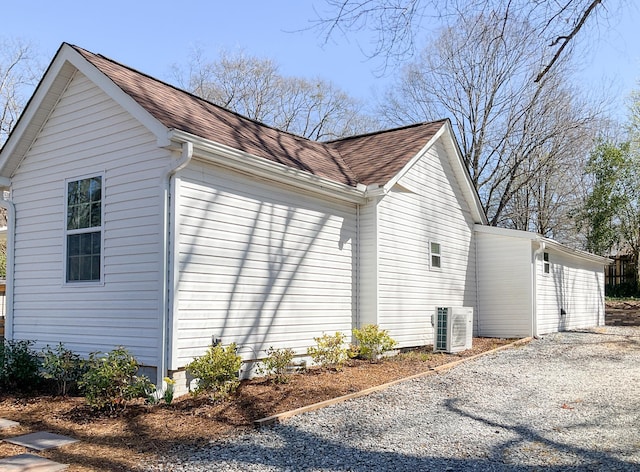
[119,95]
[241,161]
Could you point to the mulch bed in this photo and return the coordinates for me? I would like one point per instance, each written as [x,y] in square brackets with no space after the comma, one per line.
[143,432]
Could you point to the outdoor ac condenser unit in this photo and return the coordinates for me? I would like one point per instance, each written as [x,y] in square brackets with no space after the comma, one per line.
[453,329]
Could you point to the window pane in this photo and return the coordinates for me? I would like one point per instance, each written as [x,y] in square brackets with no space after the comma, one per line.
[435,248]
[96,213]
[73,268]
[95,243]
[95,267]
[95,189]
[72,196]
[435,261]
[73,245]
[85,244]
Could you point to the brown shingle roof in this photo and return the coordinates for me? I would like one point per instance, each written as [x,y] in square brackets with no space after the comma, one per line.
[377,157]
[367,159]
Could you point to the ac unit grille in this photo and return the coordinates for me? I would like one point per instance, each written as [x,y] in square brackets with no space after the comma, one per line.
[441,329]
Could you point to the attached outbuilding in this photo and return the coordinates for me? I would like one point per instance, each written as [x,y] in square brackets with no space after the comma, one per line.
[529,285]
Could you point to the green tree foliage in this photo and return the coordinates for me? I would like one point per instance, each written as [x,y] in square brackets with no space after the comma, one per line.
[608,167]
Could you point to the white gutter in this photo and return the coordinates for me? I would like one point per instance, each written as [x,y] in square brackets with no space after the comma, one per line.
[534,288]
[11,230]
[166,308]
[244,162]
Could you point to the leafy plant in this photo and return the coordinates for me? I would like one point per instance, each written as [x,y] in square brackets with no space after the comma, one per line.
[19,366]
[329,350]
[373,341]
[111,380]
[277,364]
[169,391]
[216,371]
[63,366]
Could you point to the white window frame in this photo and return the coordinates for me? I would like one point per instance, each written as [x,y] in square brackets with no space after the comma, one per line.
[93,229]
[438,254]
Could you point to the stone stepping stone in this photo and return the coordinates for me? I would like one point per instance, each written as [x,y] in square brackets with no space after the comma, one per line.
[8,423]
[41,440]
[30,463]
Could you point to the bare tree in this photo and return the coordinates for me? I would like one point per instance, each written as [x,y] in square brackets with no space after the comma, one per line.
[517,136]
[19,72]
[254,87]
[396,25]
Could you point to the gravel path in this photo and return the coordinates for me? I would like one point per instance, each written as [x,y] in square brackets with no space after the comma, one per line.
[570,401]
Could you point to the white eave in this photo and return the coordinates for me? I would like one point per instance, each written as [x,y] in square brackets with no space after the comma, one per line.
[241,161]
[549,243]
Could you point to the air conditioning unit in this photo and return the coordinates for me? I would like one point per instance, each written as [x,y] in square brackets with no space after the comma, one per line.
[453,329]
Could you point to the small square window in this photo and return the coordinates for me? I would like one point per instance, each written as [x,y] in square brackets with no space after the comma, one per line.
[546,264]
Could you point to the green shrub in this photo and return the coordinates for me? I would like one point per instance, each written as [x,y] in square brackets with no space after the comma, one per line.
[277,364]
[111,381]
[373,341]
[216,371]
[329,351]
[63,366]
[19,366]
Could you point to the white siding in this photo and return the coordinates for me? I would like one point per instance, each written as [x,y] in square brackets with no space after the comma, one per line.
[260,265]
[573,284]
[89,134]
[368,263]
[504,286]
[426,205]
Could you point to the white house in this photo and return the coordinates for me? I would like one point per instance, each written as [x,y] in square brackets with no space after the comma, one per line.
[143,216]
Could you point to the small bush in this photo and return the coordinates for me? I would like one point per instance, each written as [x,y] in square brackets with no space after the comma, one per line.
[329,351]
[63,366]
[216,371]
[373,341]
[111,381]
[19,366]
[277,364]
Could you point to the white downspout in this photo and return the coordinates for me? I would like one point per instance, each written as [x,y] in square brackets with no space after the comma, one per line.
[167,268]
[534,289]
[11,229]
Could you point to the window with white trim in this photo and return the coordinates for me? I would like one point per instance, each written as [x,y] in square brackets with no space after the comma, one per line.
[84,230]
[546,267]
[436,255]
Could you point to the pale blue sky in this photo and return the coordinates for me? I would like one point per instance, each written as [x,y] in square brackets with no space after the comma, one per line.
[152,35]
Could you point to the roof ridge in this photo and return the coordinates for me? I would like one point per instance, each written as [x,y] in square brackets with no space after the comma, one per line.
[388,130]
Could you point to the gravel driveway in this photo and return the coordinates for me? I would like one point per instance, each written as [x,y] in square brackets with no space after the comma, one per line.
[569,401]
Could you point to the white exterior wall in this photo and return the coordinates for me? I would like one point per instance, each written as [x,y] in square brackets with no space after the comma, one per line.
[89,134]
[259,265]
[573,284]
[504,286]
[426,206]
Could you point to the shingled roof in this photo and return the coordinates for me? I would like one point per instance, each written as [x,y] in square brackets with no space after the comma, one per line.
[367,159]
